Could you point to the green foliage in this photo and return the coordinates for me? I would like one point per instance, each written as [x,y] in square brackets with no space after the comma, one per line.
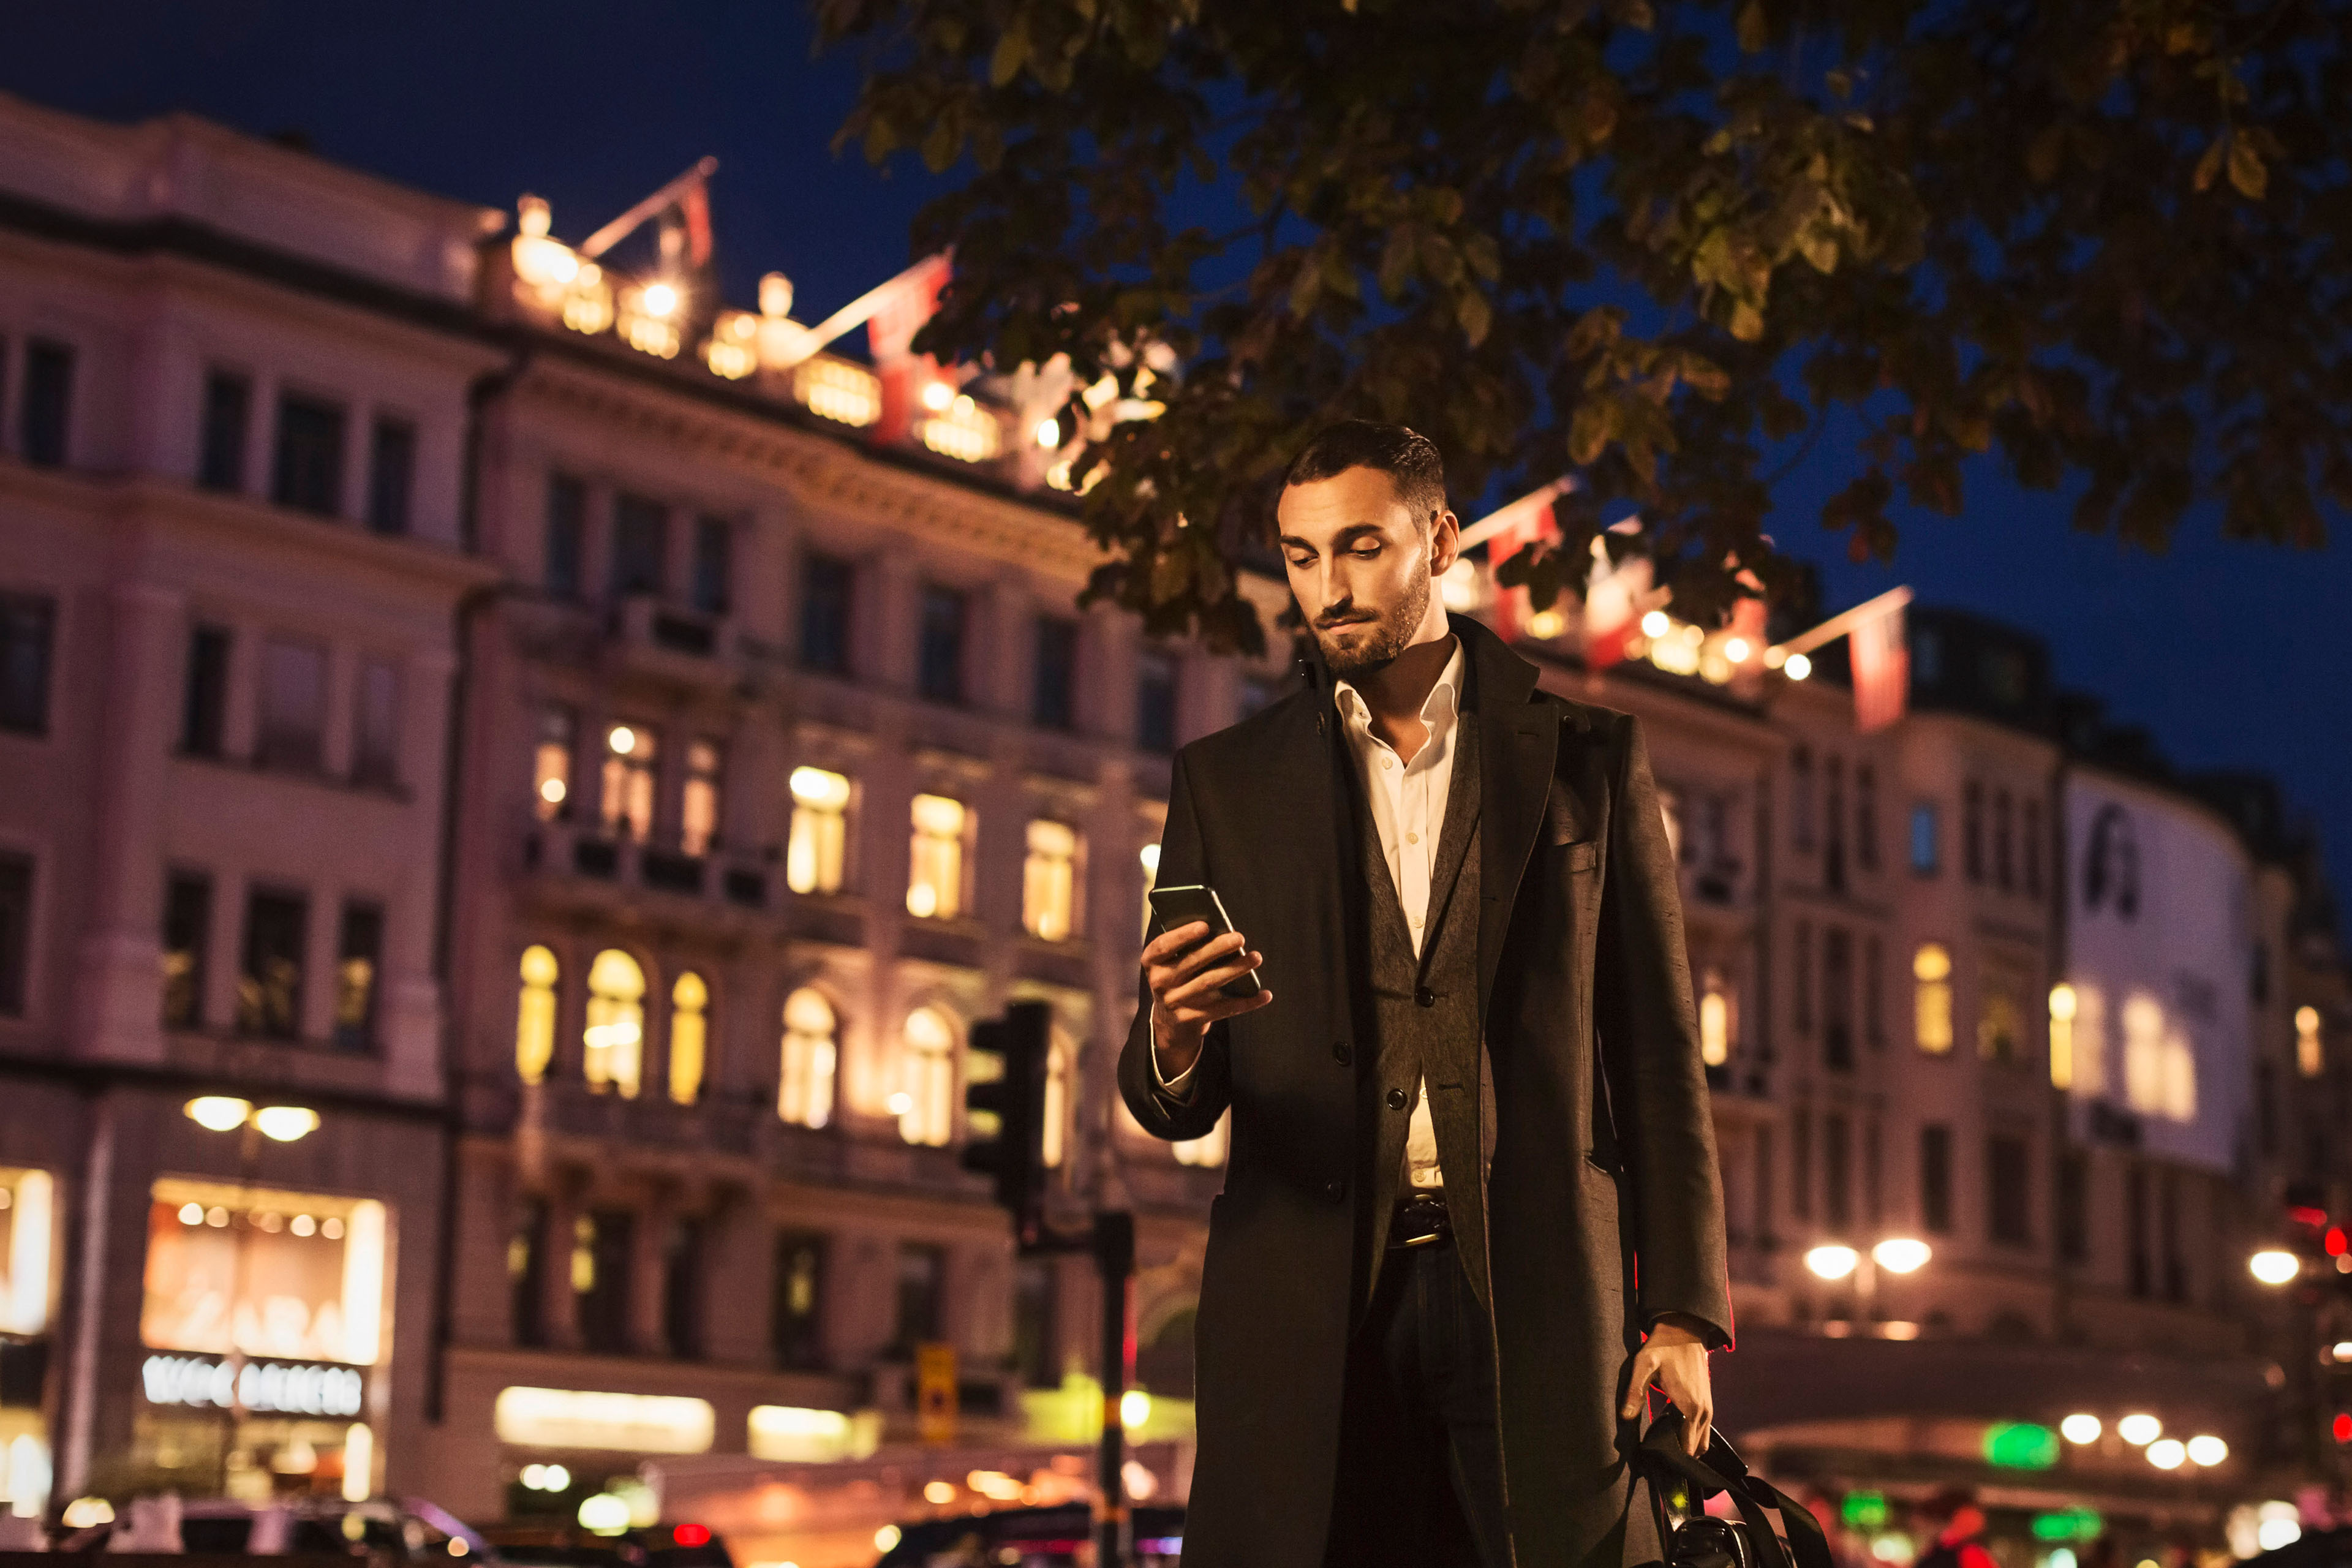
[2102,244]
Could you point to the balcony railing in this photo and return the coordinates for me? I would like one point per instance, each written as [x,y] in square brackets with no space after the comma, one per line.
[736,878]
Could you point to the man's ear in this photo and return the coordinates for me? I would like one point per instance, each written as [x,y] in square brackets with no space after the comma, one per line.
[1444,543]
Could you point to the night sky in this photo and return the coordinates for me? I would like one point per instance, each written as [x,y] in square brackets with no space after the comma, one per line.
[2236,655]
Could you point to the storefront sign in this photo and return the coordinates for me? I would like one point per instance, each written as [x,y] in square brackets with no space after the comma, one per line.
[574,1418]
[264,1387]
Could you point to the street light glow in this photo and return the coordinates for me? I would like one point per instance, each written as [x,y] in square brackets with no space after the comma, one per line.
[2081,1427]
[2206,1449]
[2274,1265]
[2168,1453]
[2139,1429]
[1798,667]
[660,299]
[1833,1261]
[219,1112]
[1655,623]
[286,1123]
[1900,1254]
[1049,433]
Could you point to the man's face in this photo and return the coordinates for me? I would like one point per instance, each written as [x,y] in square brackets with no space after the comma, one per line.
[1361,565]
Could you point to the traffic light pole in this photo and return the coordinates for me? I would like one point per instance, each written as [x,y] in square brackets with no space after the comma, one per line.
[1114,1249]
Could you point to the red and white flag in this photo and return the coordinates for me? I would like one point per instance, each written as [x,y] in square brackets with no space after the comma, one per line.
[1882,670]
[1616,594]
[900,308]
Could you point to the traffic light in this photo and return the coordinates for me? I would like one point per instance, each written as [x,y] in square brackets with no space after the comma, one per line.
[1004,1105]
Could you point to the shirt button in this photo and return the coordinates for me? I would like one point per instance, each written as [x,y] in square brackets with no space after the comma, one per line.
[1424,996]
[1335,1190]
[1396,1100]
[1416,922]
[1341,1054]
[1413,838]
[1387,762]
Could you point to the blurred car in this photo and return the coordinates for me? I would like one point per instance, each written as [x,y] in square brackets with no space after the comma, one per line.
[1029,1537]
[409,1530]
[553,1545]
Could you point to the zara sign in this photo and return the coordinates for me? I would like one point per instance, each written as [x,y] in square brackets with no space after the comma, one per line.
[262,1387]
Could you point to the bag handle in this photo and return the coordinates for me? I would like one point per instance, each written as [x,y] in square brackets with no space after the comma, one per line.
[1721,1470]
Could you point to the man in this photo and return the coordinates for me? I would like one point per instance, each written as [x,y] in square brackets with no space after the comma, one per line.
[1471,1161]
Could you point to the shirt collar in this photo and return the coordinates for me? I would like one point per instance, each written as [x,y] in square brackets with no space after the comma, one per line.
[1437,709]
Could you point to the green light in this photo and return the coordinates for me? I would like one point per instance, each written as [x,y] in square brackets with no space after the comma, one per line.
[1864,1511]
[2020,1445]
[2068,1524]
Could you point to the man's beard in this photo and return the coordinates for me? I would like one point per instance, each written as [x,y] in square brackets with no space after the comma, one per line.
[1380,640]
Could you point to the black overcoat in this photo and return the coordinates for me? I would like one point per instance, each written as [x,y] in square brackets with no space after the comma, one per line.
[1605,1207]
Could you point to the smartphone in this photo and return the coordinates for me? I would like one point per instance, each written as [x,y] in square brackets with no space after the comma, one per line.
[1175,907]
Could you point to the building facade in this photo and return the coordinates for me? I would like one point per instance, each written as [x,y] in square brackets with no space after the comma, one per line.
[601,758]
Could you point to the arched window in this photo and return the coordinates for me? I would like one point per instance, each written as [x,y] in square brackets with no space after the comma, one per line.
[1209,1149]
[1061,1059]
[1049,880]
[535,1014]
[926,1106]
[1931,966]
[804,1084]
[689,1036]
[614,1039]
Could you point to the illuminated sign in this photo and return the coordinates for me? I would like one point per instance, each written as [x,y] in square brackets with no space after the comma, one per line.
[2077,1524]
[265,1387]
[789,1433]
[1864,1511]
[570,1418]
[2020,1445]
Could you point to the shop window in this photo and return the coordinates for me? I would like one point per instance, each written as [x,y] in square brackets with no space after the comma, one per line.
[796,1325]
[1155,700]
[391,475]
[921,1281]
[269,985]
[551,766]
[375,737]
[1208,1150]
[308,475]
[939,649]
[804,1081]
[1049,880]
[631,754]
[293,706]
[613,1040]
[689,1034]
[187,938]
[697,818]
[203,698]
[1931,973]
[358,961]
[564,572]
[227,418]
[2008,1214]
[45,424]
[828,585]
[640,546]
[816,856]
[935,874]
[604,1247]
[287,1276]
[1936,1179]
[16,930]
[714,549]
[1053,701]
[28,1253]
[925,1106]
[26,628]
[535,1014]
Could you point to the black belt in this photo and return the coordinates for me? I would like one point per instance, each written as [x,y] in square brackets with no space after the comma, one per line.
[1421,1221]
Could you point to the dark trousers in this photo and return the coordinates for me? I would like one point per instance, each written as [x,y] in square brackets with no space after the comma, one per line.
[1420,1452]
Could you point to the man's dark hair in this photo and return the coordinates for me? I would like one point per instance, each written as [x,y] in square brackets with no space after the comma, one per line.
[1409,458]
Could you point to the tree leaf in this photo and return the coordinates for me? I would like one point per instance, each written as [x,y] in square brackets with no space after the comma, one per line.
[1476,316]
[2247,171]
[1011,54]
[1754,32]
[2208,167]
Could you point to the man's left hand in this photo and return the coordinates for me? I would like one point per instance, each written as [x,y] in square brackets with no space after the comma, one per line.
[1674,1358]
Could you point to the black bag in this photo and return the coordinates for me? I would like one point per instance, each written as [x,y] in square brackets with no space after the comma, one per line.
[1679,1486]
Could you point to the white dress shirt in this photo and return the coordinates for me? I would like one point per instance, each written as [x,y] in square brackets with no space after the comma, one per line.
[1408,797]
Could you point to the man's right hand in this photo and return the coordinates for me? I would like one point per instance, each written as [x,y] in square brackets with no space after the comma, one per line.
[1185,995]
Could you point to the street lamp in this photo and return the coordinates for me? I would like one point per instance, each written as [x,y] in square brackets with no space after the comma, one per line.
[2274,1265]
[1834,1261]
[2139,1430]
[2081,1427]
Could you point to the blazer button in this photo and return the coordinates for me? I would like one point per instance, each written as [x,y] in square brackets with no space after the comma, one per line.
[1396,1100]
[1424,995]
[1341,1054]
[1335,1190]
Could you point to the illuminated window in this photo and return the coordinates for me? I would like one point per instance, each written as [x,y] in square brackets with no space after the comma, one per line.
[804,1084]
[535,1014]
[689,1034]
[1931,967]
[1999,1023]
[819,834]
[2310,1059]
[2062,1007]
[1209,1149]
[1061,1057]
[1713,1021]
[358,961]
[935,878]
[926,1105]
[2159,1064]
[28,1255]
[613,1040]
[697,822]
[1049,880]
[551,781]
[631,752]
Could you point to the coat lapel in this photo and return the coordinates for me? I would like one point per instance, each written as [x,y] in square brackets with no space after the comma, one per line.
[1518,742]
